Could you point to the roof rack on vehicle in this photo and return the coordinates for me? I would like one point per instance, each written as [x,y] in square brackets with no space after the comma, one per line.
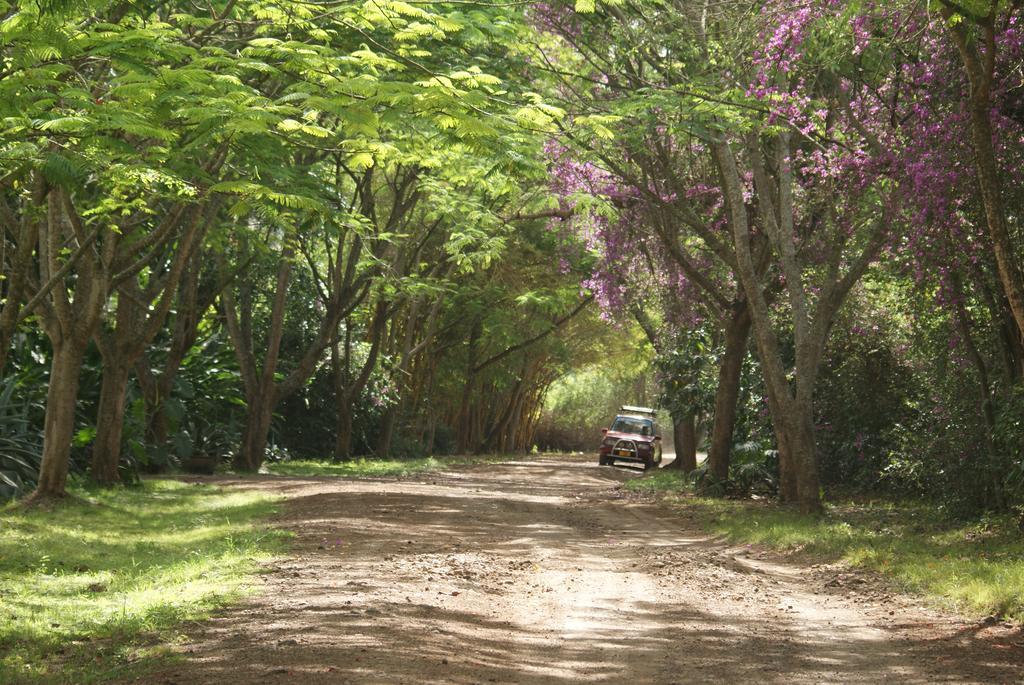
[637,410]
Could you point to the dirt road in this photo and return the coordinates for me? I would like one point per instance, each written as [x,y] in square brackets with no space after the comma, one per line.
[540,572]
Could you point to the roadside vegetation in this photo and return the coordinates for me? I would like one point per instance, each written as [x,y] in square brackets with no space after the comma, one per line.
[93,589]
[290,245]
[242,232]
[976,567]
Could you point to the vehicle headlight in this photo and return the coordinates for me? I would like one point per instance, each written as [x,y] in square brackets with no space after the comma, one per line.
[608,442]
[643,447]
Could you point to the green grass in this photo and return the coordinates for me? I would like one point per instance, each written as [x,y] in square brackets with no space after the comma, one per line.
[375,468]
[90,590]
[658,482]
[976,568]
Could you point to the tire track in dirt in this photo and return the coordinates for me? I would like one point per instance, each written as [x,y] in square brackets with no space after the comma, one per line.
[536,572]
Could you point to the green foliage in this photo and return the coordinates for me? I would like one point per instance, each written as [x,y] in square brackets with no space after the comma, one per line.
[660,482]
[404,134]
[22,397]
[587,398]
[118,571]
[1008,439]
[753,470]
[687,370]
[205,409]
[856,438]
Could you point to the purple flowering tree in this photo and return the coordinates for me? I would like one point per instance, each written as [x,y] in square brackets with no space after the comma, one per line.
[645,261]
[753,143]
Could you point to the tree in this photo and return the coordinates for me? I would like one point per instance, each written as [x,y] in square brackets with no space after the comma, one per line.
[93,148]
[979,29]
[769,139]
[135,324]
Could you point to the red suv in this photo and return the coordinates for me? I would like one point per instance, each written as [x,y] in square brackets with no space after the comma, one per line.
[633,436]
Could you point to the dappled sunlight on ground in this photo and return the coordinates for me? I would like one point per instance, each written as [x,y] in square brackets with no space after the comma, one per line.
[536,572]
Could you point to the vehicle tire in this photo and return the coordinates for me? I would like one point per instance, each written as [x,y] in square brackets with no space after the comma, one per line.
[603,461]
[650,464]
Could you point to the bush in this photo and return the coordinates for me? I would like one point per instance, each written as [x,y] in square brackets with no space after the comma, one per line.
[753,470]
[1009,447]
[22,406]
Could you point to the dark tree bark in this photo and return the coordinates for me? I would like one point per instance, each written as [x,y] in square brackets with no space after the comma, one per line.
[737,333]
[497,435]
[736,329]
[346,389]
[343,429]
[463,421]
[470,417]
[684,434]
[17,271]
[510,436]
[197,293]
[106,448]
[259,385]
[258,416]
[417,325]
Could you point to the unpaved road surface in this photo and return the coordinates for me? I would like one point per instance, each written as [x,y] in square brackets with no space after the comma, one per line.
[542,572]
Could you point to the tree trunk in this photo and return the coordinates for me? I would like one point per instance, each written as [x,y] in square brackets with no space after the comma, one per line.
[156,392]
[106,448]
[257,430]
[684,434]
[387,432]
[135,325]
[431,433]
[964,326]
[346,389]
[463,418]
[989,184]
[494,439]
[791,407]
[195,296]
[342,405]
[464,421]
[59,425]
[804,453]
[69,324]
[512,432]
[17,276]
[1012,348]
[737,332]
[343,435]
[260,388]
[980,55]
[793,422]
[780,416]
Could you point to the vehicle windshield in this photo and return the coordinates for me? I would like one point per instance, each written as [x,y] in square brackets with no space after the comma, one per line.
[631,424]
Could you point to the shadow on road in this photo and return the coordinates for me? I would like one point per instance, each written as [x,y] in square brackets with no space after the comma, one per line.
[530,572]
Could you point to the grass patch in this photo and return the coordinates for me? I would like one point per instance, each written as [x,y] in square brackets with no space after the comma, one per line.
[658,482]
[89,590]
[976,568]
[375,468]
